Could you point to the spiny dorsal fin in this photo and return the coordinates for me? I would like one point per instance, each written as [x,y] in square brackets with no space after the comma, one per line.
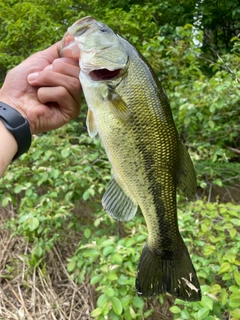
[186,176]
[117,204]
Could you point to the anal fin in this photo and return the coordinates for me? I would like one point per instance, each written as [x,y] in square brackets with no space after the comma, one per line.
[117,203]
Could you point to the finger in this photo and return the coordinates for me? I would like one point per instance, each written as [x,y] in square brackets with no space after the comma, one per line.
[72,61]
[67,103]
[55,79]
[70,69]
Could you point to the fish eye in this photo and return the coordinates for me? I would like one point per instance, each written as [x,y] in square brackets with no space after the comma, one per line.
[104,29]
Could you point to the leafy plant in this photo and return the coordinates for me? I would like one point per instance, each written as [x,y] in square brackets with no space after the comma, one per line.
[57,186]
[111,263]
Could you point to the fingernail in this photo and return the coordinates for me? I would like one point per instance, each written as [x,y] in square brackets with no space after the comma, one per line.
[32,76]
[48,68]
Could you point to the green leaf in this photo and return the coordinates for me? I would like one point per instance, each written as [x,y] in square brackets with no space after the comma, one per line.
[175,309]
[209,249]
[65,152]
[5,201]
[237,277]
[204,227]
[235,222]
[148,313]
[216,288]
[117,258]
[86,195]
[87,233]
[102,299]
[207,302]
[123,280]
[233,232]
[39,252]
[95,279]
[117,305]
[225,266]
[185,315]
[112,276]
[109,292]
[96,312]
[19,188]
[224,296]
[203,313]
[126,300]
[235,313]
[218,182]
[129,242]
[90,252]
[112,315]
[33,223]
[71,266]
[211,124]
[107,243]
[107,250]
[234,303]
[138,302]
[230,257]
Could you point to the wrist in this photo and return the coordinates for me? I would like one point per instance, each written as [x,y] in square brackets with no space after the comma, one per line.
[18,126]
[8,148]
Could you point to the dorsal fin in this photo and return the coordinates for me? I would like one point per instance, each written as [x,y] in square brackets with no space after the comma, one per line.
[186,176]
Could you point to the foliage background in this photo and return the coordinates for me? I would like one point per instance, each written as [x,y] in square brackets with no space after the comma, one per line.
[55,190]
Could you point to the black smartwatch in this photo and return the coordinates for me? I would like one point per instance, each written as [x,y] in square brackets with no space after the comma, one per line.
[18,126]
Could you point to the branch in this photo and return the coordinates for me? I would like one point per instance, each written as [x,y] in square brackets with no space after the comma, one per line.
[233,150]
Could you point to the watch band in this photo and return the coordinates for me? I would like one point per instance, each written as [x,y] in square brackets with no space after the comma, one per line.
[18,126]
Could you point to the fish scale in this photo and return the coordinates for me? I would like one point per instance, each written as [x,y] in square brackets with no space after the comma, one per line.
[130,112]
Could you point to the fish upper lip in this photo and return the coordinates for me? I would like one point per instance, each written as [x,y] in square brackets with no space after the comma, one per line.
[81,26]
[80,32]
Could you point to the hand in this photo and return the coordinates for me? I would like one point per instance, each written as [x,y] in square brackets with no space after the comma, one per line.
[45,89]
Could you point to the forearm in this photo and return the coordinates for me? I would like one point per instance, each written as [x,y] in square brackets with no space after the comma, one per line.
[8,148]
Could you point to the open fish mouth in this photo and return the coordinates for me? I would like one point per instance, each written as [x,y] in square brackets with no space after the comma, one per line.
[104,74]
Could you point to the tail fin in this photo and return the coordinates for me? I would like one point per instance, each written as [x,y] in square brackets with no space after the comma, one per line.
[176,276]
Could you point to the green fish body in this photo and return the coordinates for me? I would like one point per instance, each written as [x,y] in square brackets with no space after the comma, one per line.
[130,112]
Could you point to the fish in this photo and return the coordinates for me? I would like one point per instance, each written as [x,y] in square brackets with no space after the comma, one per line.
[128,109]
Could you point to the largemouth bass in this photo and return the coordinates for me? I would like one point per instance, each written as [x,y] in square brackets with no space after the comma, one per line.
[130,112]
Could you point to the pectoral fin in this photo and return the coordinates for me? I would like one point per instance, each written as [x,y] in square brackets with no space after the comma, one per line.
[91,126]
[117,204]
[118,106]
[186,176]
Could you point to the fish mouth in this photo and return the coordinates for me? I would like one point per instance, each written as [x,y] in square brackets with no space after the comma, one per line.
[104,74]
